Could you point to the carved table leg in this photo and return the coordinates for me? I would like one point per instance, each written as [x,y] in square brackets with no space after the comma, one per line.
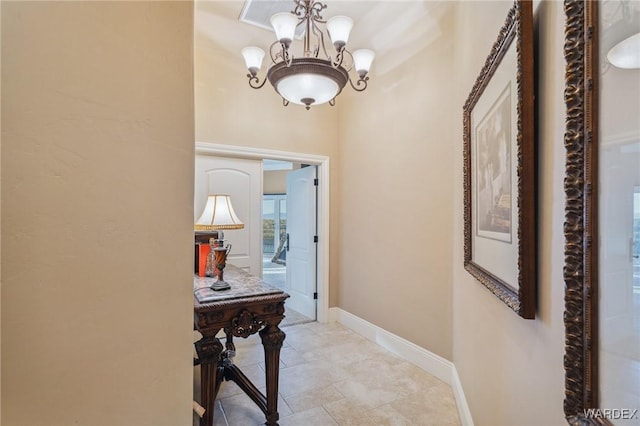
[209,350]
[272,338]
[230,347]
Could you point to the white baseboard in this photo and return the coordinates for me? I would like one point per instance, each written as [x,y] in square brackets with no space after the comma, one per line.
[419,356]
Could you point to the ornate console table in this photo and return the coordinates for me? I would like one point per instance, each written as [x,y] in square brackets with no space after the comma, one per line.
[250,306]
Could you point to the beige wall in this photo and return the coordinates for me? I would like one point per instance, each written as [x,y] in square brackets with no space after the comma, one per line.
[396,196]
[510,368]
[97,175]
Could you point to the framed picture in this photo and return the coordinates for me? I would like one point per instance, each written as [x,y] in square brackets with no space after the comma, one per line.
[499,167]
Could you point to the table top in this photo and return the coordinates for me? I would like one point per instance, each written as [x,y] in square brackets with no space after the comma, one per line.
[243,286]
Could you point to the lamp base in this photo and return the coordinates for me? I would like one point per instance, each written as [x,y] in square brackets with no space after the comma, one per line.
[220,285]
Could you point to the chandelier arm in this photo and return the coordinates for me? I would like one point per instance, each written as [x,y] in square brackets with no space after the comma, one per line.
[339,59]
[278,54]
[317,8]
[361,82]
[254,81]
[320,38]
[286,57]
[344,50]
[300,9]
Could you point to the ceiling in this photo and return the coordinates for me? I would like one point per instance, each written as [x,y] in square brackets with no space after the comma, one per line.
[384,26]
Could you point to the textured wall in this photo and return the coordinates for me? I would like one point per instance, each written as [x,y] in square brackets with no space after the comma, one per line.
[97,213]
[510,368]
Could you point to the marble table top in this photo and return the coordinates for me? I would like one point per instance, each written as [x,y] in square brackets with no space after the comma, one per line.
[242,285]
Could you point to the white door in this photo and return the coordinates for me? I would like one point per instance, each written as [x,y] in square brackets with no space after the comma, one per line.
[301,246]
[241,179]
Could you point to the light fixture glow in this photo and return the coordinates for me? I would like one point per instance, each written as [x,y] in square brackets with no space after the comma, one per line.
[253,58]
[311,89]
[310,79]
[284,24]
[626,54]
[339,28]
[363,59]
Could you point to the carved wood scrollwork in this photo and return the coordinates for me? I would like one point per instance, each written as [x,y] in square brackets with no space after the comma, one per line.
[210,319]
[580,316]
[272,337]
[208,349]
[274,308]
[245,324]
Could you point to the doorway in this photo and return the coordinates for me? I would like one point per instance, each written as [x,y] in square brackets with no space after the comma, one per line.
[289,228]
[322,167]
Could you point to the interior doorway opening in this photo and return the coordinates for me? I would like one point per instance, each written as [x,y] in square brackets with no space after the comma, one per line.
[321,166]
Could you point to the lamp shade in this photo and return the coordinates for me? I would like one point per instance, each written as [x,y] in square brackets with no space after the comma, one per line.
[218,215]
[284,24]
[362,59]
[253,57]
[626,54]
[339,28]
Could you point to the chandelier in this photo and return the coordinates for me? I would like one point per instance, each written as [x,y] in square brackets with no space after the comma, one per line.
[315,77]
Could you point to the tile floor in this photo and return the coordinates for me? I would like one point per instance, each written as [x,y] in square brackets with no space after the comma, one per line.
[330,375]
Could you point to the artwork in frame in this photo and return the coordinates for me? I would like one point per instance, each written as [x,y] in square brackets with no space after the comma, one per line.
[499,167]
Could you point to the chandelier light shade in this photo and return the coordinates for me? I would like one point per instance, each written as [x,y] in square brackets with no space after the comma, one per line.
[339,28]
[314,77]
[253,57]
[218,215]
[284,24]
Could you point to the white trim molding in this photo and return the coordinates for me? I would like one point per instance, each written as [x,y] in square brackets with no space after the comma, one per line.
[433,364]
[323,203]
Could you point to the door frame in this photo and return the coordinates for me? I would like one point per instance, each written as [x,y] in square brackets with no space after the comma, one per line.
[322,271]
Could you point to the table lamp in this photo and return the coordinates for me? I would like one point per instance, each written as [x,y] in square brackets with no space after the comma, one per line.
[218,215]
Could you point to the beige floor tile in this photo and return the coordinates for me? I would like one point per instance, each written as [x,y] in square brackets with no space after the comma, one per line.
[290,357]
[313,398]
[320,327]
[307,340]
[292,317]
[371,393]
[240,410]
[388,416]
[219,418]
[248,355]
[428,408]
[347,412]
[312,417]
[311,375]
